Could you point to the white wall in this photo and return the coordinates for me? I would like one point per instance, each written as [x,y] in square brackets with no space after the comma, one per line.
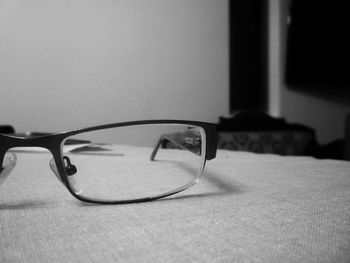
[326,116]
[275,63]
[70,64]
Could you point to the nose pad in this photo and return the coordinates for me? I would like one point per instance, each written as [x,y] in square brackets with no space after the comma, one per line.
[70,170]
[8,164]
[54,169]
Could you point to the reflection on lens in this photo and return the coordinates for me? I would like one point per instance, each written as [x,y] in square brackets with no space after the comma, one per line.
[134,162]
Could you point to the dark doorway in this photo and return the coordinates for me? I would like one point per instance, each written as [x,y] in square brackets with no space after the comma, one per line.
[248,55]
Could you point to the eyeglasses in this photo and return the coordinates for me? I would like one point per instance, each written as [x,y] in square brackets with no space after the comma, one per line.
[123,162]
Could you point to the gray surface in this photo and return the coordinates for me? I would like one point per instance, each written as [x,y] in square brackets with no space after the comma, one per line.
[247,208]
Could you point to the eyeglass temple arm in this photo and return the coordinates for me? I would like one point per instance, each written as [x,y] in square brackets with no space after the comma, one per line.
[184,140]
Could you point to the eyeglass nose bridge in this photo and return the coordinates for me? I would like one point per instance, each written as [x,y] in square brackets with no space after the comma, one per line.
[8,160]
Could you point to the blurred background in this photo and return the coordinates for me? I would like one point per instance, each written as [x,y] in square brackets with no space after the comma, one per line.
[70,64]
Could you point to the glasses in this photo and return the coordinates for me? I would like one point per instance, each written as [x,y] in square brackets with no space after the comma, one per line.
[123,162]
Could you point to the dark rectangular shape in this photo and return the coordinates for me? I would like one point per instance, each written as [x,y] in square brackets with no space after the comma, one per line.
[318,45]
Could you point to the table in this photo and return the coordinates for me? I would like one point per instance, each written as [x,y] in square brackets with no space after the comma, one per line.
[247,208]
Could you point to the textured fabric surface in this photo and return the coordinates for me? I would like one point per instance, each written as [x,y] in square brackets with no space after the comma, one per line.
[247,208]
[282,142]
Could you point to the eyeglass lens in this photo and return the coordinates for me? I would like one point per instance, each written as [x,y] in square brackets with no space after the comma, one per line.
[134,162]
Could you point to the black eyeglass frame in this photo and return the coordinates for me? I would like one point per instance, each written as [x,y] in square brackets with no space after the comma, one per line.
[54,144]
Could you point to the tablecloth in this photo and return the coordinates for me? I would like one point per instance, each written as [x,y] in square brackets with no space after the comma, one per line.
[247,208]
